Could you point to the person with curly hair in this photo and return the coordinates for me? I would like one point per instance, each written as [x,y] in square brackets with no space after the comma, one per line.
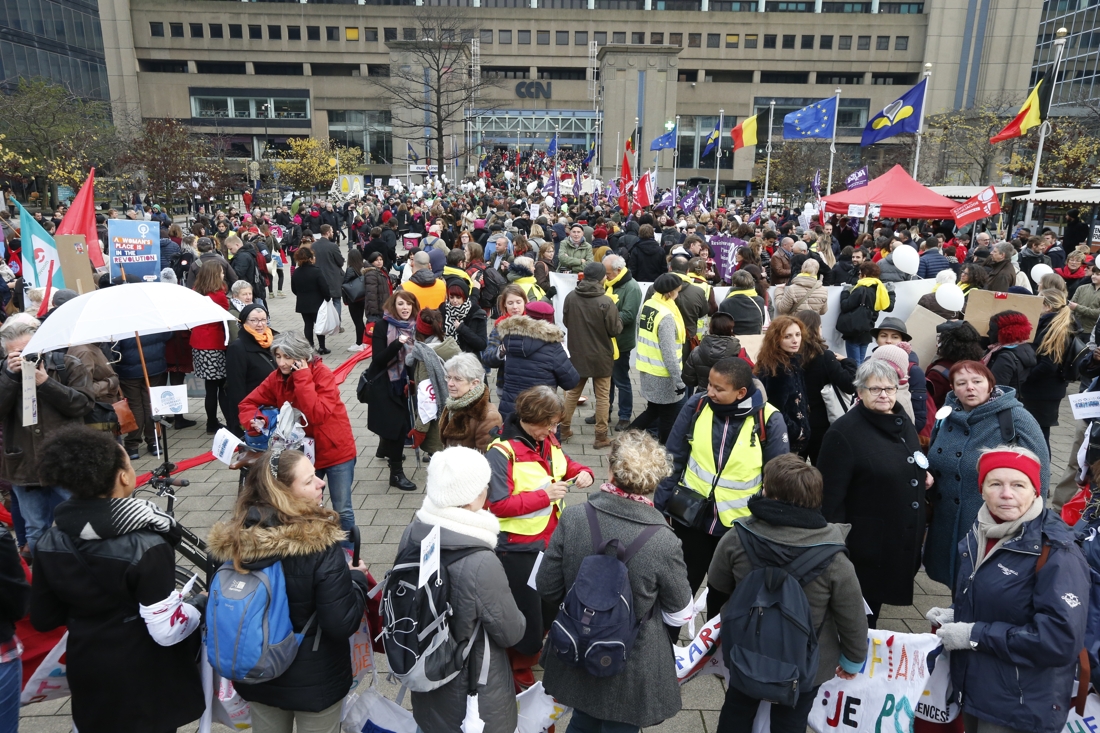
[779,369]
[107,571]
[958,341]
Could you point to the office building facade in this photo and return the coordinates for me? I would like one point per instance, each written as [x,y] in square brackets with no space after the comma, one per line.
[60,41]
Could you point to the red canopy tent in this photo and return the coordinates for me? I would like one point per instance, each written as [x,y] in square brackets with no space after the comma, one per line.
[900,196]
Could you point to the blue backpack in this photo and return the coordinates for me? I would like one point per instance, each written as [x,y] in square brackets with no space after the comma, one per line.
[249,636]
[596,627]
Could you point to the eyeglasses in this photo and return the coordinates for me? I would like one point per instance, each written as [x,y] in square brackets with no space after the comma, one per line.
[876,391]
[254,322]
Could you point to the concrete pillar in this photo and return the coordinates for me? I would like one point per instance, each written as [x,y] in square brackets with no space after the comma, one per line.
[192,67]
[249,69]
[307,69]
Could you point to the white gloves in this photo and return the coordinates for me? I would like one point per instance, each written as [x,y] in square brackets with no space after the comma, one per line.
[955,637]
[940,616]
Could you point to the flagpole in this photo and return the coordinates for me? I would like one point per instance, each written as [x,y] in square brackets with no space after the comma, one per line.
[1059,46]
[920,124]
[637,146]
[768,166]
[675,157]
[832,145]
[718,153]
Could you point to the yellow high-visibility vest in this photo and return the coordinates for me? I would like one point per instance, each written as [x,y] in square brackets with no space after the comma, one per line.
[531,476]
[655,310]
[530,288]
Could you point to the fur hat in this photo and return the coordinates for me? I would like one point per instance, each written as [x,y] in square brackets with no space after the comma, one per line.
[457,476]
[1009,327]
[895,357]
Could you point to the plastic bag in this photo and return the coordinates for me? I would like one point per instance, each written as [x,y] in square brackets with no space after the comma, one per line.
[1075,507]
[370,712]
[537,710]
[473,722]
[223,704]
[328,320]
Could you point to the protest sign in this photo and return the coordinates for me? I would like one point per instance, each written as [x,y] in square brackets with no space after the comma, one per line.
[982,206]
[724,251]
[858,179]
[75,263]
[921,325]
[857,210]
[1086,406]
[134,247]
[981,305]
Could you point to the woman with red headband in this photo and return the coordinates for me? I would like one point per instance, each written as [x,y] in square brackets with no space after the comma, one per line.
[1017,624]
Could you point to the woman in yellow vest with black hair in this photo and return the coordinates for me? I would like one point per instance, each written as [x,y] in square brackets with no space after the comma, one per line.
[531,475]
[719,445]
[661,336]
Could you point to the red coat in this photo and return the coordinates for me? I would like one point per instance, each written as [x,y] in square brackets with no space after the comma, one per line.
[211,337]
[315,393]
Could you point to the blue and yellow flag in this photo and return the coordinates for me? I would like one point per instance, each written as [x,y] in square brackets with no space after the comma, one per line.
[900,116]
[712,140]
[412,153]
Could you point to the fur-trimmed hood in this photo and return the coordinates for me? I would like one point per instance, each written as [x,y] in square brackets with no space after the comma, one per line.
[527,326]
[264,538]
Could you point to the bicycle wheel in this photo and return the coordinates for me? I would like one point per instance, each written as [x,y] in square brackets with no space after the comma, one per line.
[184,575]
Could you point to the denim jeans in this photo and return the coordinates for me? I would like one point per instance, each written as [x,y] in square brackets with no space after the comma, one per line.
[340,478]
[855,352]
[739,712]
[585,723]
[21,526]
[36,504]
[620,382]
[11,682]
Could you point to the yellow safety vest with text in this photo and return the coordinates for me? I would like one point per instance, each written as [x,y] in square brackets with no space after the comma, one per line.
[530,288]
[653,312]
[740,478]
[707,287]
[531,476]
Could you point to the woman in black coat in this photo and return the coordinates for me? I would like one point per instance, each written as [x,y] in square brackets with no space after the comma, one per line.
[1045,387]
[309,286]
[247,360]
[280,517]
[463,319]
[875,480]
[821,368]
[646,259]
[859,309]
[115,593]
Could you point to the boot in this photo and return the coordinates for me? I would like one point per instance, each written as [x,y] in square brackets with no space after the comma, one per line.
[602,441]
[399,480]
[566,433]
[179,421]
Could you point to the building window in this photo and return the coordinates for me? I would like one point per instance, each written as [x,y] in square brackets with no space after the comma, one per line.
[842,78]
[351,34]
[807,42]
[788,42]
[216,30]
[505,37]
[600,37]
[332,33]
[676,39]
[236,30]
[769,41]
[845,43]
[523,38]
[784,77]
[714,40]
[381,70]
[220,67]
[274,32]
[486,36]
[196,30]
[250,107]
[388,34]
[751,39]
[370,35]
[882,43]
[863,43]
[371,132]
[695,40]
[826,43]
[561,38]
[408,34]
[255,33]
[563,74]
[176,29]
[637,39]
[733,40]
[580,38]
[619,36]
[294,33]
[657,39]
[901,43]
[156,30]
[162,67]
[505,72]
[542,38]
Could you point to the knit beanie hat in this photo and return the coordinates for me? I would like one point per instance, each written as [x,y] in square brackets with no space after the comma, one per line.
[666,283]
[594,271]
[457,476]
[64,295]
[247,311]
[895,357]
[599,233]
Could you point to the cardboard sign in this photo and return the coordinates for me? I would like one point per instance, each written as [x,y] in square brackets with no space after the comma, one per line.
[30,396]
[921,325]
[135,247]
[73,253]
[981,305]
[225,445]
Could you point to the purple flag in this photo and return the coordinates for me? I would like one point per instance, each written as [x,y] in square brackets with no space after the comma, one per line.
[706,199]
[666,201]
[724,251]
[817,184]
[857,179]
[757,212]
[689,202]
[613,191]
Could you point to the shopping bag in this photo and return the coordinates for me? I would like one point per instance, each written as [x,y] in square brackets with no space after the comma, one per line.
[473,722]
[537,710]
[362,654]
[223,704]
[328,320]
[427,404]
[48,681]
[369,712]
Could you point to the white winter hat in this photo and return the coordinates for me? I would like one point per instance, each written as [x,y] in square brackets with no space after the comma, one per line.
[457,476]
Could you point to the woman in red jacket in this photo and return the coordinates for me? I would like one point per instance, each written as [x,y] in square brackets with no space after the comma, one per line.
[208,348]
[303,380]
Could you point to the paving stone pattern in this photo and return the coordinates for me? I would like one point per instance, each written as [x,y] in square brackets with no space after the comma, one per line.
[383,513]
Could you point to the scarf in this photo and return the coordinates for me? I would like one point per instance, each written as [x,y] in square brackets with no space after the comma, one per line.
[396,368]
[424,351]
[455,317]
[986,527]
[100,519]
[749,293]
[237,305]
[882,297]
[784,514]
[609,285]
[263,338]
[612,489]
[482,525]
[681,330]
[461,403]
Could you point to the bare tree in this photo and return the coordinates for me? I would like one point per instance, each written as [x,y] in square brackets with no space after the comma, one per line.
[433,83]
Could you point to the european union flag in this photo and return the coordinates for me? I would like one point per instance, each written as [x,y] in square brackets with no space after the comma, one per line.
[664,142]
[900,116]
[815,120]
[712,140]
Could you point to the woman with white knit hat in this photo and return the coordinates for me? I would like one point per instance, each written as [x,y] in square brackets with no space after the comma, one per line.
[455,496]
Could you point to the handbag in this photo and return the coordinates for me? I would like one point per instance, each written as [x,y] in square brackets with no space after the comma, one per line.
[685,505]
[328,320]
[354,290]
[126,421]
[836,402]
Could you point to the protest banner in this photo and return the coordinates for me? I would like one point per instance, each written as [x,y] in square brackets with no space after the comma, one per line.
[75,263]
[858,179]
[135,247]
[982,206]
[724,252]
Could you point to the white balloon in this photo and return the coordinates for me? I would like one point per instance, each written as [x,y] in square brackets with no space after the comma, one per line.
[509,175]
[950,297]
[1040,270]
[906,259]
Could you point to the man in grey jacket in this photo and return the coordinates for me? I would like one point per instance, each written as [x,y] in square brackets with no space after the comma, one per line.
[331,264]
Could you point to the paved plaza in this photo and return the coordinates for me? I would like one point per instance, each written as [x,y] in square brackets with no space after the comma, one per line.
[383,512]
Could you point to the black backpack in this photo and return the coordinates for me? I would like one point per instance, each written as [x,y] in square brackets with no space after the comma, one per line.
[180,264]
[769,642]
[491,284]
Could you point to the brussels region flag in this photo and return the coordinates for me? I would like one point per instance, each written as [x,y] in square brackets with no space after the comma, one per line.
[744,134]
[1031,115]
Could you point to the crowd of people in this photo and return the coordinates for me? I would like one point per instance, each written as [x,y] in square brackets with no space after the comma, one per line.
[733,459]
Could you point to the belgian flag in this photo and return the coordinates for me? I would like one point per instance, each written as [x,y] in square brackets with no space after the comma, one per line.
[744,134]
[1036,109]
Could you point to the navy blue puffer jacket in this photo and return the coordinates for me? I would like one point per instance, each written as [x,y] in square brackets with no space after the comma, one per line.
[534,355]
[129,367]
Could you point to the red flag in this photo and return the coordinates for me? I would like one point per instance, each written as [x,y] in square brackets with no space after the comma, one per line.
[625,174]
[45,307]
[625,185]
[80,219]
[642,195]
[982,206]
